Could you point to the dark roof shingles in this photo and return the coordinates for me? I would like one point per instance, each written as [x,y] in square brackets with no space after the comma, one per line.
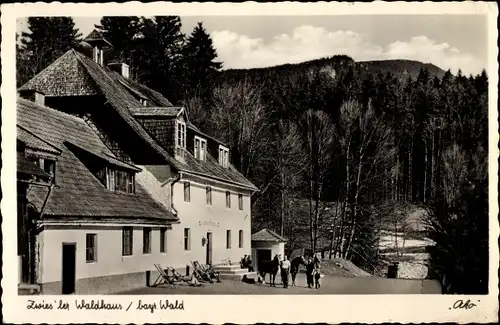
[111,85]
[78,192]
[64,77]
[34,142]
[171,111]
[267,235]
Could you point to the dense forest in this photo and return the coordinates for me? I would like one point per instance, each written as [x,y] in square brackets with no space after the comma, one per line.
[334,145]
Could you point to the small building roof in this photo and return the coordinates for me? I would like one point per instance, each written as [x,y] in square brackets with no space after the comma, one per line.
[267,235]
[96,37]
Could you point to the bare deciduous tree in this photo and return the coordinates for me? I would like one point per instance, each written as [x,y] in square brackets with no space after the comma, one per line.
[239,117]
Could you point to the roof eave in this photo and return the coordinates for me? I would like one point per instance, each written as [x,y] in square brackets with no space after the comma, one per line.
[189,172]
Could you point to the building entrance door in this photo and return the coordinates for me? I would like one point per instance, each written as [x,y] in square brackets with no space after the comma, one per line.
[68,268]
[209,248]
[262,255]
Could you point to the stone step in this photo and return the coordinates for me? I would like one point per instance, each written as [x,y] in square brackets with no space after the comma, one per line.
[238,271]
[224,267]
[239,276]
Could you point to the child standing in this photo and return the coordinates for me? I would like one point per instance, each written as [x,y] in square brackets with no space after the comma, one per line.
[317,276]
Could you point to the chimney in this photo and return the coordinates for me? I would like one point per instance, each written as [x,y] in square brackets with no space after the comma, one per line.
[39,98]
[98,43]
[120,67]
[33,95]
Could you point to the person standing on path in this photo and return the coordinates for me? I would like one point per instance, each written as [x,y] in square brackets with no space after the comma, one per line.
[285,269]
[309,272]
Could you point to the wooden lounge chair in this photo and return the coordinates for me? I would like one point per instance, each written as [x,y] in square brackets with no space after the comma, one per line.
[200,273]
[184,278]
[163,277]
[211,273]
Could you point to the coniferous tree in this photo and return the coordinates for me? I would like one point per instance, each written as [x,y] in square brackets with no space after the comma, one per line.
[162,47]
[47,39]
[122,33]
[200,63]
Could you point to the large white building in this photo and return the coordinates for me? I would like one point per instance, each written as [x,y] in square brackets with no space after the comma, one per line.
[134,182]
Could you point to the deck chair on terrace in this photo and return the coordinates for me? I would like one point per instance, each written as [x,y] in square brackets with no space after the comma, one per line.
[200,273]
[211,273]
[189,279]
[163,277]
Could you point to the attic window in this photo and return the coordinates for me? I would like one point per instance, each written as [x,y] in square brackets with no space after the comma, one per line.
[200,148]
[144,102]
[223,156]
[47,165]
[119,180]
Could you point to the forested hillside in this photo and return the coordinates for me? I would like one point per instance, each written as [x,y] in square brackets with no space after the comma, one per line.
[399,68]
[361,136]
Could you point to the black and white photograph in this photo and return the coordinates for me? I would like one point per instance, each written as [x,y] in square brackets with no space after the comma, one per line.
[176,154]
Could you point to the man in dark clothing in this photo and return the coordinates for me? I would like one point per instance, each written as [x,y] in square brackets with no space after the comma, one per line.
[309,272]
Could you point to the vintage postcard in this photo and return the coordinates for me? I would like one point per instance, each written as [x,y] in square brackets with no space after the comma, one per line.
[304,163]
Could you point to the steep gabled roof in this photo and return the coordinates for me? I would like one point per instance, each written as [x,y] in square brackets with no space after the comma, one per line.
[78,192]
[153,97]
[210,167]
[267,235]
[121,100]
[121,93]
[103,156]
[96,36]
[64,77]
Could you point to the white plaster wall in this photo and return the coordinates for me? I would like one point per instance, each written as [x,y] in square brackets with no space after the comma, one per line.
[153,179]
[109,252]
[216,218]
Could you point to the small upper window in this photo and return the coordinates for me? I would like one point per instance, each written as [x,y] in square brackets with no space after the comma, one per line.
[200,148]
[223,156]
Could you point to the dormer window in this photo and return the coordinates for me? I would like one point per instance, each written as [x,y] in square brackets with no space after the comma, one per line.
[223,156]
[47,165]
[200,148]
[120,181]
[180,135]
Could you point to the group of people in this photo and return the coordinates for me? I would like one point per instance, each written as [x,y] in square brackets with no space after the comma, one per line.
[246,263]
[313,273]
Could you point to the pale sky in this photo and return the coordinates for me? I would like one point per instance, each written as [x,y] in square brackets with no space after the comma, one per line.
[448,41]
